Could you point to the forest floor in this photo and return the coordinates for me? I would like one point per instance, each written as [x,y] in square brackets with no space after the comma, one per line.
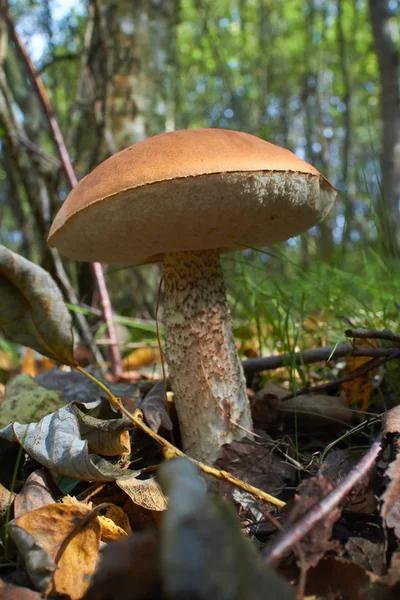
[308,507]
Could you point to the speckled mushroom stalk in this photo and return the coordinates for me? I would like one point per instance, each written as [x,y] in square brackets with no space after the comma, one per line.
[206,374]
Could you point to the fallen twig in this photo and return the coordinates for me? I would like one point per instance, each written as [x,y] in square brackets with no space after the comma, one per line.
[384,334]
[290,537]
[255,365]
[170,451]
[360,372]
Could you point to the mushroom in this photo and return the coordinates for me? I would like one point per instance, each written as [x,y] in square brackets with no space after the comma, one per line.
[183,198]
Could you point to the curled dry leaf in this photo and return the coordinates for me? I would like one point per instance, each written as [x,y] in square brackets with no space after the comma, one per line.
[154,409]
[107,436]
[59,548]
[56,443]
[110,531]
[33,312]
[114,524]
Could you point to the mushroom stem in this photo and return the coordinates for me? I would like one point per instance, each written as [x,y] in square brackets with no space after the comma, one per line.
[205,371]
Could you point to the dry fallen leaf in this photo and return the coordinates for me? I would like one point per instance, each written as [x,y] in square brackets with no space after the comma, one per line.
[114,524]
[313,546]
[256,464]
[60,554]
[154,409]
[14,592]
[34,494]
[141,357]
[33,312]
[7,362]
[6,498]
[56,443]
[390,509]
[146,493]
[317,410]
[28,366]
[358,391]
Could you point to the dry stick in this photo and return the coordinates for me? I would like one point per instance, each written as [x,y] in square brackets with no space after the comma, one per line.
[288,539]
[255,365]
[384,334]
[72,179]
[170,451]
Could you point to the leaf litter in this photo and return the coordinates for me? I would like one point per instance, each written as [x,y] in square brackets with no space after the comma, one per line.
[191,545]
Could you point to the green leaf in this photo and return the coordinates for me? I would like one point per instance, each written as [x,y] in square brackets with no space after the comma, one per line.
[32,310]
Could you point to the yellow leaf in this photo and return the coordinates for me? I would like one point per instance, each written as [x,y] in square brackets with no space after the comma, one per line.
[7,362]
[29,364]
[59,549]
[358,391]
[141,357]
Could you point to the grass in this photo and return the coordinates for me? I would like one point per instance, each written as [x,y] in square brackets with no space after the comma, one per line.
[287,306]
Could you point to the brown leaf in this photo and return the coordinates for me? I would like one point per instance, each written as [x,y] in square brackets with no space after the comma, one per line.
[14,592]
[59,553]
[317,410]
[390,510]
[6,498]
[33,312]
[114,524]
[317,542]
[34,494]
[256,464]
[358,391]
[146,493]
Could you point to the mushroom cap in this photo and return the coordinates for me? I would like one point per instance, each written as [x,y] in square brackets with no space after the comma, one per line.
[193,189]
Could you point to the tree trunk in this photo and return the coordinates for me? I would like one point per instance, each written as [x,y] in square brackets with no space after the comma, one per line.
[388,61]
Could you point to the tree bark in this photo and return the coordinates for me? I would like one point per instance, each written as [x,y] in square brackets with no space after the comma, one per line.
[388,61]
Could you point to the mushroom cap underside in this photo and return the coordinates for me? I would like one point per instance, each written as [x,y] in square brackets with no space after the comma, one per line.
[190,190]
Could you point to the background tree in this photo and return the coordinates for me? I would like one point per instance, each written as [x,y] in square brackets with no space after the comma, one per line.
[316,76]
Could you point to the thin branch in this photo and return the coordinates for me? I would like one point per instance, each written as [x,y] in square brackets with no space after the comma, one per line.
[385,334]
[72,179]
[292,536]
[375,363]
[255,365]
[12,131]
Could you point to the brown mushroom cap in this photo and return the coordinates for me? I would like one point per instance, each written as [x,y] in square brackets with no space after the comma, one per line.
[190,190]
